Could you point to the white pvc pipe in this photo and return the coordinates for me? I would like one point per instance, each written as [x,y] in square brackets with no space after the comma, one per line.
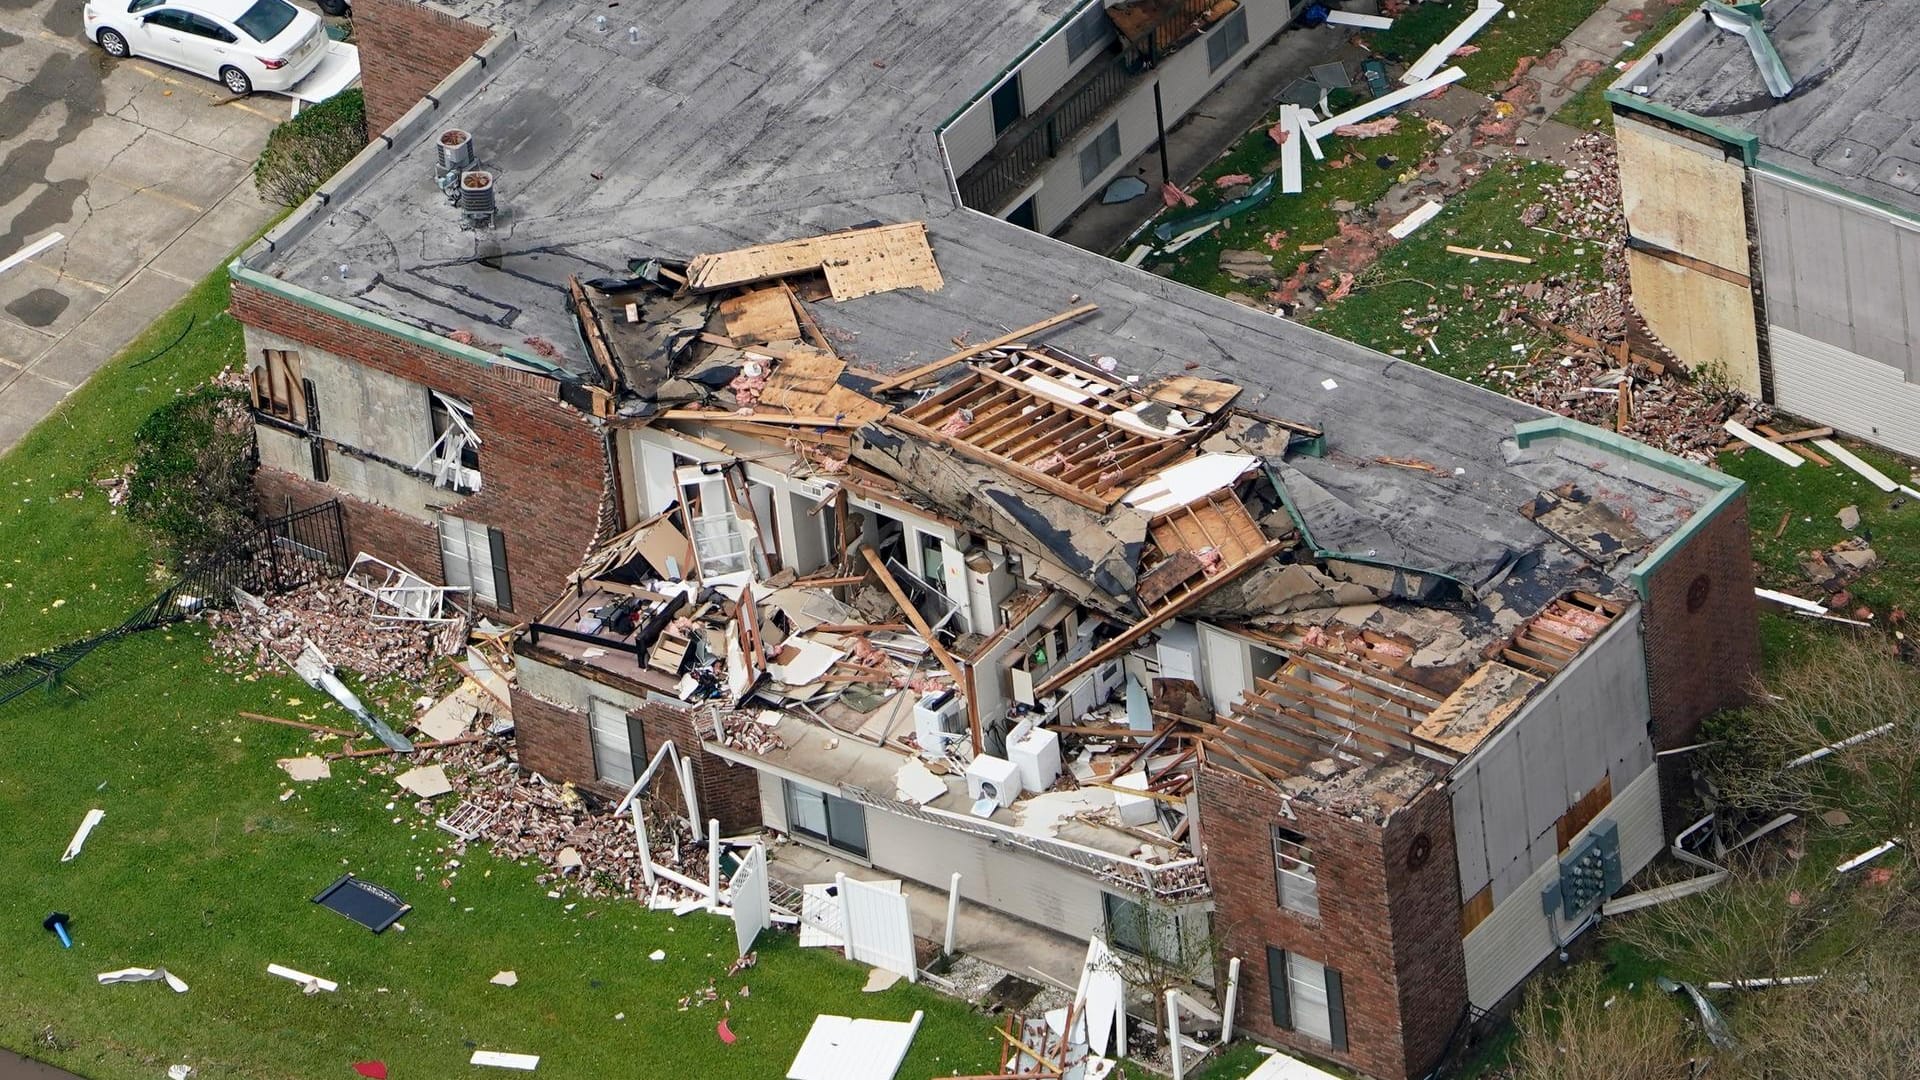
[953,911]
[1173,1035]
[1233,998]
[646,846]
[713,864]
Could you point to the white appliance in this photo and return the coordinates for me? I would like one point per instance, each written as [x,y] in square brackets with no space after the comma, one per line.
[989,583]
[1134,809]
[939,720]
[1035,751]
[989,777]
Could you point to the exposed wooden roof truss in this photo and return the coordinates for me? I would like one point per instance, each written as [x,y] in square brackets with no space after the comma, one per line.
[1313,709]
[1058,426]
[1550,640]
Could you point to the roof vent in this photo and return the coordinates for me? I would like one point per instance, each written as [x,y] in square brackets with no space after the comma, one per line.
[456,150]
[476,197]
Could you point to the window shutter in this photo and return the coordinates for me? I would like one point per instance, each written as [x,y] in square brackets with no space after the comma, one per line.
[502,591]
[1277,991]
[1336,1010]
[637,744]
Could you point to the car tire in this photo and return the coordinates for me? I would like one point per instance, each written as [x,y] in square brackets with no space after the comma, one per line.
[335,8]
[114,45]
[236,80]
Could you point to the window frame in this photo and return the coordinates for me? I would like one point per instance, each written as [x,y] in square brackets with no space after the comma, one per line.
[619,726]
[1102,158]
[1296,888]
[831,838]
[1219,54]
[459,540]
[1292,982]
[454,458]
[279,390]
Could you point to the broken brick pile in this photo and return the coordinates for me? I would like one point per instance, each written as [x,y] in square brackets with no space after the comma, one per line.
[266,633]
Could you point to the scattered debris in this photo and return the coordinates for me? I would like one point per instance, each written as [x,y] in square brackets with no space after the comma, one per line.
[1422,214]
[364,902]
[58,923]
[498,1060]
[426,781]
[80,834]
[842,1048]
[1482,253]
[1849,517]
[308,768]
[309,984]
[140,974]
[505,978]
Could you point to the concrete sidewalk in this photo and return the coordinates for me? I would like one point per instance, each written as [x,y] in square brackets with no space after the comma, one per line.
[145,171]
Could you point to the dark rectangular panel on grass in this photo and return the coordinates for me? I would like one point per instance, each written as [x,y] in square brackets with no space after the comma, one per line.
[364,902]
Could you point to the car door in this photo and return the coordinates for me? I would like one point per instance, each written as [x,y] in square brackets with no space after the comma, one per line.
[164,36]
[213,46]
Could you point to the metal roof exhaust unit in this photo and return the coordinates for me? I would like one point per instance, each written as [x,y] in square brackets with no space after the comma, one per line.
[476,197]
[455,149]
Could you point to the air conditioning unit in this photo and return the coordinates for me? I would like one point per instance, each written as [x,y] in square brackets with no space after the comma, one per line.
[1035,751]
[989,777]
[939,720]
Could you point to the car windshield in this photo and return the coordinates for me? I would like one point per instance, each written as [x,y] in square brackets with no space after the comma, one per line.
[265,19]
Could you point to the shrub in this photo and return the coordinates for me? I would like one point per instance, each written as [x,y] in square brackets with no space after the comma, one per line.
[305,151]
[192,471]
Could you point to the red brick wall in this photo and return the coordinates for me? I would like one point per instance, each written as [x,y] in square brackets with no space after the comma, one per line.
[554,741]
[393,536]
[727,791]
[1393,934]
[1700,628]
[406,48]
[543,464]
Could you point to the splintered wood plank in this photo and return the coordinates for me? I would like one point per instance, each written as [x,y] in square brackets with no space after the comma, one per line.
[845,404]
[865,261]
[1170,572]
[759,315]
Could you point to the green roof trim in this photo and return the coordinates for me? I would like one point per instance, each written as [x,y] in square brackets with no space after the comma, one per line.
[1745,141]
[327,305]
[1726,488]
[1773,70]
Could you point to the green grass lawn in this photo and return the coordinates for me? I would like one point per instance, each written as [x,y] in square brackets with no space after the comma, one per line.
[1418,277]
[201,867]
[1807,499]
[70,564]
[1306,218]
[1527,28]
[1587,109]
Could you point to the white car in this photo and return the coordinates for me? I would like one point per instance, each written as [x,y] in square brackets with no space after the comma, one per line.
[246,44]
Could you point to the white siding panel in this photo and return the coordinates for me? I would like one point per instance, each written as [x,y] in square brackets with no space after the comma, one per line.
[1024,886]
[970,137]
[1505,815]
[1830,385]
[1510,942]
[1045,71]
[1469,835]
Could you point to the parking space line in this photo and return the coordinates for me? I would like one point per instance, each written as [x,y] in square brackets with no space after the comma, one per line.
[216,98]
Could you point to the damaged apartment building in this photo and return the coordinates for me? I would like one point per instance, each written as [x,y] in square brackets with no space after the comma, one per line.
[1770,173]
[940,547]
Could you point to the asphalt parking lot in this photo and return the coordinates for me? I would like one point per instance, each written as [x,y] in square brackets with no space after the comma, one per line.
[143,169]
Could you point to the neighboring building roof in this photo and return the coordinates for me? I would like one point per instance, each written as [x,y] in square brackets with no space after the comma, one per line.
[1852,119]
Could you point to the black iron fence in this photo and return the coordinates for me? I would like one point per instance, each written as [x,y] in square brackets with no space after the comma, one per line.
[1014,163]
[281,554]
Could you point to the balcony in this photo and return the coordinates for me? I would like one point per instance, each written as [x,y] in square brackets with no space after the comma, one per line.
[1147,32]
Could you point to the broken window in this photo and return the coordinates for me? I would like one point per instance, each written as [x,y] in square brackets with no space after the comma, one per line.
[474,557]
[454,460]
[1294,882]
[277,389]
[1227,40]
[619,746]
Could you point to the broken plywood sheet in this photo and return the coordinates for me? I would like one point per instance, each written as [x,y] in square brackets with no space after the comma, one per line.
[1188,392]
[448,719]
[1481,704]
[427,781]
[1585,524]
[915,783]
[759,315]
[1179,484]
[857,262]
[310,767]
[801,379]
